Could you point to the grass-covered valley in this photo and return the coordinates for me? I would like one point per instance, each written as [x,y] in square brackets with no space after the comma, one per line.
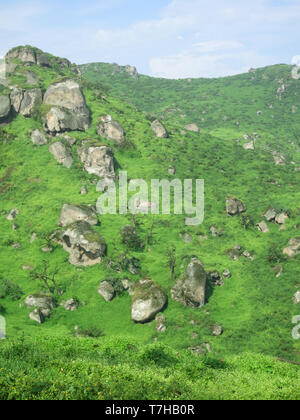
[65,127]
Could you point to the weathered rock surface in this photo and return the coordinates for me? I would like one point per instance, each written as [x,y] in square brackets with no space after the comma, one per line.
[5,107]
[227,274]
[98,161]
[192,127]
[107,291]
[215,278]
[263,227]
[217,330]
[249,146]
[148,300]
[75,213]
[235,206]
[69,110]
[29,101]
[37,316]
[62,154]
[270,214]
[12,214]
[38,138]
[160,323]
[25,54]
[159,129]
[70,305]
[281,218]
[111,129]
[293,248]
[85,246]
[40,301]
[190,290]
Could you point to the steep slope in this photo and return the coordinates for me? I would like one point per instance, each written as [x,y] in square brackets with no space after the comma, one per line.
[254,307]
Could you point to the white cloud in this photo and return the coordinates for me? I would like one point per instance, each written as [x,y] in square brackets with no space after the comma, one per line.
[15,17]
[212,46]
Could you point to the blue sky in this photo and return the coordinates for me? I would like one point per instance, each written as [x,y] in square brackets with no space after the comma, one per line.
[163,38]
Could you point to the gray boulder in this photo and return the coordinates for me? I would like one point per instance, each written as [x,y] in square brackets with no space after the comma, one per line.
[263,227]
[159,129]
[37,316]
[71,213]
[69,110]
[293,248]
[62,154]
[217,330]
[107,291]
[85,246]
[234,206]
[281,218]
[190,290]
[59,120]
[16,98]
[249,146]
[270,214]
[5,107]
[38,138]
[148,300]
[12,214]
[70,305]
[132,71]
[40,301]
[24,54]
[29,101]
[98,160]
[111,129]
[42,60]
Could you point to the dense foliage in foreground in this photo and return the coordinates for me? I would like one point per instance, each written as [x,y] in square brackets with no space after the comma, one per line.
[61,368]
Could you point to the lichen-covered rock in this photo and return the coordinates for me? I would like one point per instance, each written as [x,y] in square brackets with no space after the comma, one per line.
[5,107]
[235,206]
[65,94]
[98,160]
[25,54]
[270,214]
[75,213]
[111,129]
[190,290]
[263,227]
[107,291]
[85,246]
[38,138]
[148,300]
[62,154]
[159,129]
[293,248]
[16,98]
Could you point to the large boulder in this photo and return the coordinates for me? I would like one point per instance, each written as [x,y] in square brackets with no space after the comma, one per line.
[111,129]
[40,301]
[293,248]
[148,299]
[98,160]
[38,138]
[190,290]
[159,129]
[69,110]
[61,153]
[234,206]
[85,246]
[25,102]
[71,213]
[5,107]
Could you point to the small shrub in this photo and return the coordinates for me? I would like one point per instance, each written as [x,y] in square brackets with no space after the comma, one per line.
[91,332]
[11,290]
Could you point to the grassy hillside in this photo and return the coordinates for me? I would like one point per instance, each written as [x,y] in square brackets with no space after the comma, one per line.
[254,307]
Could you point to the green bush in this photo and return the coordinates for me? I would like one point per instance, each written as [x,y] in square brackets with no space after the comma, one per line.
[11,290]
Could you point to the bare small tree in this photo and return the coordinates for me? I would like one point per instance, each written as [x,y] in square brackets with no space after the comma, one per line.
[48,279]
[171,261]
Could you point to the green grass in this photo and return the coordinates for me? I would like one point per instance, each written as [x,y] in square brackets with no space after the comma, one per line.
[254,308]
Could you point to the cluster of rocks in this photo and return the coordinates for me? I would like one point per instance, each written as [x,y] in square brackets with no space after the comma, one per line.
[234,206]
[85,246]
[274,216]
[43,304]
[237,252]
[279,158]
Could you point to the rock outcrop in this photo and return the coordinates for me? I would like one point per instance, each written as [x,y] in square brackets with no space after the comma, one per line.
[293,248]
[62,154]
[24,102]
[159,130]
[111,129]
[43,304]
[98,160]
[234,206]
[75,213]
[69,111]
[85,246]
[190,290]
[148,300]
[5,107]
